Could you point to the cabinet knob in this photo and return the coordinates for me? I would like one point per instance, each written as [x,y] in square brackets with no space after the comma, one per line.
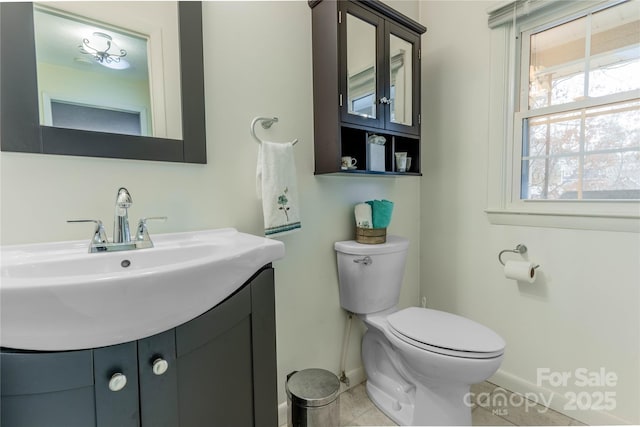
[117,382]
[160,366]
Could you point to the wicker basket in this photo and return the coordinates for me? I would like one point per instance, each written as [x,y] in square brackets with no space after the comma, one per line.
[371,236]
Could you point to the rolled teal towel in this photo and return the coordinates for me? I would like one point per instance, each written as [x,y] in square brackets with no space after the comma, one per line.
[381,211]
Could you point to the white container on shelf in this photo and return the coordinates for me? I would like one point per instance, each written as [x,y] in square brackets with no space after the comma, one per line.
[375,157]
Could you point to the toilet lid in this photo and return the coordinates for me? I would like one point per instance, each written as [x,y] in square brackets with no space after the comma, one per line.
[445,333]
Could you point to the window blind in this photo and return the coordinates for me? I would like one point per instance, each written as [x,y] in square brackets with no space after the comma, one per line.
[508,11]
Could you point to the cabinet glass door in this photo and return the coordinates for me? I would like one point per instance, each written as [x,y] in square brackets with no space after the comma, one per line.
[402,79]
[362,65]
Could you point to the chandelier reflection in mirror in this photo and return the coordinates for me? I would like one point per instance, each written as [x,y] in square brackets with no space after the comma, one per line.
[105,51]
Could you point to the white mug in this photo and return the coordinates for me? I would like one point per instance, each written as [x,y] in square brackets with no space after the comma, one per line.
[348,162]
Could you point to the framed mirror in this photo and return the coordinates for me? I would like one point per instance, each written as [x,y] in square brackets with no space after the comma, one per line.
[26,128]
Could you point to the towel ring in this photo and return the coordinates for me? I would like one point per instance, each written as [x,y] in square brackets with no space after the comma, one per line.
[266,123]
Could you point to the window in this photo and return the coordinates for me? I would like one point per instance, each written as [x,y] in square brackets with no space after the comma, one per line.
[364,106]
[565,109]
[579,107]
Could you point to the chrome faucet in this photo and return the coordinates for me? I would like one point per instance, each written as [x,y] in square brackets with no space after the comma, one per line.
[121,230]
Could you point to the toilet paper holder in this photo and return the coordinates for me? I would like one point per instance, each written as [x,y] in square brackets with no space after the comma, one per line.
[520,249]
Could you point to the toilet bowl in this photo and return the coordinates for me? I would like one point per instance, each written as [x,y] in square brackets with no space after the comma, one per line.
[420,363]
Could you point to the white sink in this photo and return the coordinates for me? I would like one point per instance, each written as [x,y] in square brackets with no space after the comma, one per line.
[57,296]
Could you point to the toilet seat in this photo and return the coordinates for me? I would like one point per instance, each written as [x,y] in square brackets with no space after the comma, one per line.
[445,333]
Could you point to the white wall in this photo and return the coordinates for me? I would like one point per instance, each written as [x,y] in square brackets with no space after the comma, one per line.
[584,311]
[257,62]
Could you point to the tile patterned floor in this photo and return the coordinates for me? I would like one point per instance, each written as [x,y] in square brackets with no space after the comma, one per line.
[357,410]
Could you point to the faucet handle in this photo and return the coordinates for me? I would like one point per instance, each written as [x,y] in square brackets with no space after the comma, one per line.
[99,235]
[142,233]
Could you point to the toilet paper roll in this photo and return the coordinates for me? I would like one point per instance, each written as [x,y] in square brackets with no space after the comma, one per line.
[523,271]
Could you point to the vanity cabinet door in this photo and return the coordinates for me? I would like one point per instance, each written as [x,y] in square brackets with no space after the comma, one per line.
[226,358]
[116,385]
[214,357]
[53,389]
[263,336]
[158,380]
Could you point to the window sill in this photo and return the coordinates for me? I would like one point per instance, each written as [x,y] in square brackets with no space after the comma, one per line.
[601,222]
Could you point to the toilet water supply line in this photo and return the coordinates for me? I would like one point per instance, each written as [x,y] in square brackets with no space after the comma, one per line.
[345,344]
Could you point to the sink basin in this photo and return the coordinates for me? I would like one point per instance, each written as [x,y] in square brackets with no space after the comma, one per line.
[57,296]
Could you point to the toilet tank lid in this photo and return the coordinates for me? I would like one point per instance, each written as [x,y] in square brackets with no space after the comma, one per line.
[393,244]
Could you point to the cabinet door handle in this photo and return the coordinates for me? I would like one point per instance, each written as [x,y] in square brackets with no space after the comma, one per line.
[160,366]
[117,382]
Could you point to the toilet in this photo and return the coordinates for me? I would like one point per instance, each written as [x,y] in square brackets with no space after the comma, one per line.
[420,363]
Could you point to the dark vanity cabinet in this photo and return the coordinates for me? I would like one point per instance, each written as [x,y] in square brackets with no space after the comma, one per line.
[366,85]
[217,369]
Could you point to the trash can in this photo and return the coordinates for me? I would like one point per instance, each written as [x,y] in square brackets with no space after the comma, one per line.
[312,399]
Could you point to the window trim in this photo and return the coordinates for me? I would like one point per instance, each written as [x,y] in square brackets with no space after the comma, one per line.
[504,205]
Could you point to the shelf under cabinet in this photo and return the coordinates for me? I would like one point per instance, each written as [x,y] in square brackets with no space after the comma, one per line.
[354,143]
[374,173]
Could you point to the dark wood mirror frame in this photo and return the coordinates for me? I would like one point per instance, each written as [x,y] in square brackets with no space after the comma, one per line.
[20,127]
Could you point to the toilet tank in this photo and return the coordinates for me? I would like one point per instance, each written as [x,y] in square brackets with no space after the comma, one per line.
[370,276]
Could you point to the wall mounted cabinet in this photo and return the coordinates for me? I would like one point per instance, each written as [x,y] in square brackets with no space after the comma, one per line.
[217,369]
[366,83]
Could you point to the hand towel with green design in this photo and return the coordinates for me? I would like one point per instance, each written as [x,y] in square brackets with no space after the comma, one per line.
[277,186]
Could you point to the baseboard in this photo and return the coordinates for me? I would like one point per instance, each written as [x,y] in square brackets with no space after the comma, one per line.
[556,401]
[355,376]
